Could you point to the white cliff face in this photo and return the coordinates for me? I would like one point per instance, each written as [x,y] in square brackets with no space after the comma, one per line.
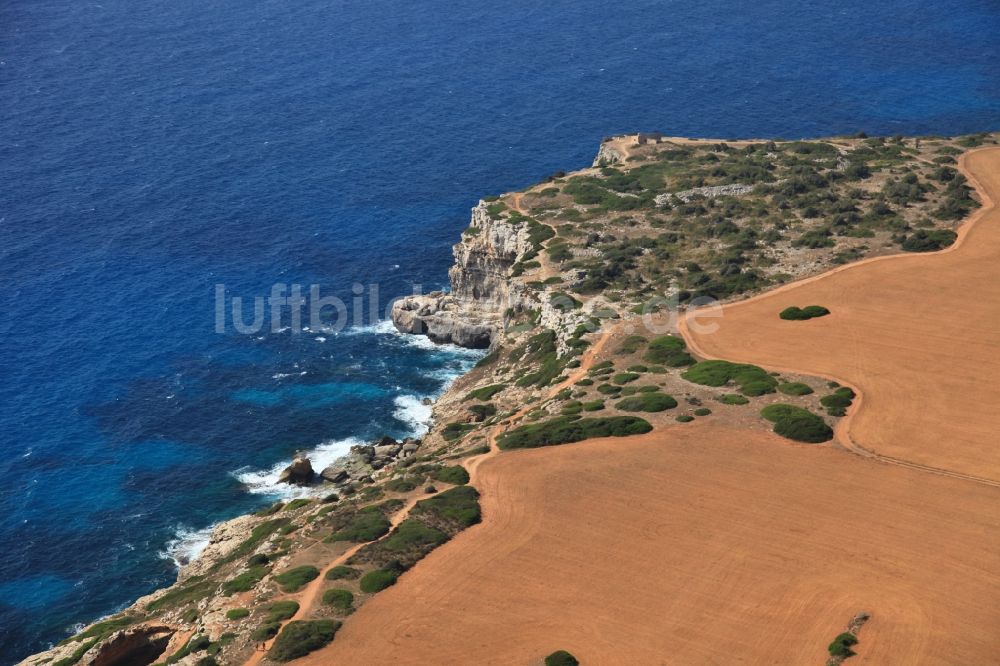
[481,286]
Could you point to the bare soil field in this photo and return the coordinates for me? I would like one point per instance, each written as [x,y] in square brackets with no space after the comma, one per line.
[697,546]
[917,335]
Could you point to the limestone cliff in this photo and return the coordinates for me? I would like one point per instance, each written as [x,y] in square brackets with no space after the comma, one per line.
[481,287]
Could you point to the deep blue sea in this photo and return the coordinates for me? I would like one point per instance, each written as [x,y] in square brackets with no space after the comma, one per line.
[153,149]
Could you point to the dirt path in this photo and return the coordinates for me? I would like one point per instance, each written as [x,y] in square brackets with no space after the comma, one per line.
[916,336]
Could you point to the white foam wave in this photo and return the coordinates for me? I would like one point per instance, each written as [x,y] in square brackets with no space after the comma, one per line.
[265,481]
[411,410]
[187,545]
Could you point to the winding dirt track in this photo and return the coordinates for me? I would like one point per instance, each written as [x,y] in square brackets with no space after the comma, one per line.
[917,335]
[706,545]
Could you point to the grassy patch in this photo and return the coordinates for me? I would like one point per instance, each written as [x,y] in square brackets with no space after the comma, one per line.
[455,474]
[484,393]
[378,580]
[342,572]
[237,613]
[750,379]
[647,402]
[668,350]
[567,429]
[458,506]
[733,399]
[794,388]
[301,637]
[797,424]
[367,524]
[280,611]
[295,579]
[413,534]
[338,598]
[246,581]
[625,377]
[631,344]
[297,504]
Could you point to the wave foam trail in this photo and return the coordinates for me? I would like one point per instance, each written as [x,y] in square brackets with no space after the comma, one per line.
[265,482]
[411,410]
[187,545]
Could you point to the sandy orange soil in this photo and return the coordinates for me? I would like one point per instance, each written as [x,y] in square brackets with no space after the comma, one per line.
[917,335]
[701,546]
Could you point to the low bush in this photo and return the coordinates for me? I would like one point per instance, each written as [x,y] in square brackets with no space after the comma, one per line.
[484,393]
[593,406]
[797,423]
[836,403]
[342,572]
[301,637]
[625,377]
[795,313]
[842,644]
[685,418]
[637,368]
[561,658]
[338,598]
[609,389]
[733,399]
[455,474]
[750,379]
[631,344]
[295,579]
[668,350]
[297,504]
[400,485]
[237,613]
[413,534]
[245,581]
[280,611]
[647,402]
[567,429]
[702,411]
[458,507]
[367,524]
[266,632]
[378,580]
[794,388]
[923,240]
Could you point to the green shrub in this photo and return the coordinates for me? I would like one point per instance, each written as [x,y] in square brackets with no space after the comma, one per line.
[338,598]
[625,377]
[750,379]
[378,580]
[841,645]
[453,431]
[733,399]
[237,613]
[794,388]
[585,382]
[484,393]
[567,429]
[367,524]
[342,572]
[455,474]
[295,579]
[561,658]
[608,389]
[631,344]
[647,402]
[837,402]
[702,411]
[685,418]
[797,424]
[795,313]
[280,611]
[924,240]
[459,505]
[593,406]
[668,350]
[400,485]
[266,632]
[245,581]
[301,637]
[297,504]
[637,368]
[412,533]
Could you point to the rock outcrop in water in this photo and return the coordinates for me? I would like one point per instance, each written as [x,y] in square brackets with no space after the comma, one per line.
[481,289]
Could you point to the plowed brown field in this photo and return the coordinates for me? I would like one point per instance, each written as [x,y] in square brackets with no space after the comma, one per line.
[701,546]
